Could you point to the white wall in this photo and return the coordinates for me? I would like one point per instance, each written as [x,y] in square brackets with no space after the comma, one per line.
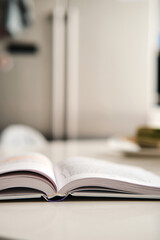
[113,62]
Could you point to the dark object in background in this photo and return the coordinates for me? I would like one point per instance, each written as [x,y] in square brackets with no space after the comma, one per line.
[24,11]
[15,15]
[21,48]
[3,18]
[148,137]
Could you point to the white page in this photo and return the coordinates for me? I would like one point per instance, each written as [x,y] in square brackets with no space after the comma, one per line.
[32,162]
[81,167]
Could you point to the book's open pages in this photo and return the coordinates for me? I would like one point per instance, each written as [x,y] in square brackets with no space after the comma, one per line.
[85,174]
[33,175]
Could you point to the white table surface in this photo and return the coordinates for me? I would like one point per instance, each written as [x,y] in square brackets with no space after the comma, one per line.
[95,219]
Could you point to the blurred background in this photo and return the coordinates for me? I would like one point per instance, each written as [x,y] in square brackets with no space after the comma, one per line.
[79,68]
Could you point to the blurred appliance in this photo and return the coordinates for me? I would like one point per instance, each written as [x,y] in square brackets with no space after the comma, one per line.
[109,72]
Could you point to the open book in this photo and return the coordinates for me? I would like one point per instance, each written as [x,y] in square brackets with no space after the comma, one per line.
[34,176]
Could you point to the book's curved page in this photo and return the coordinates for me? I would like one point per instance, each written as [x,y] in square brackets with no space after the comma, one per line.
[81,172]
[32,170]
